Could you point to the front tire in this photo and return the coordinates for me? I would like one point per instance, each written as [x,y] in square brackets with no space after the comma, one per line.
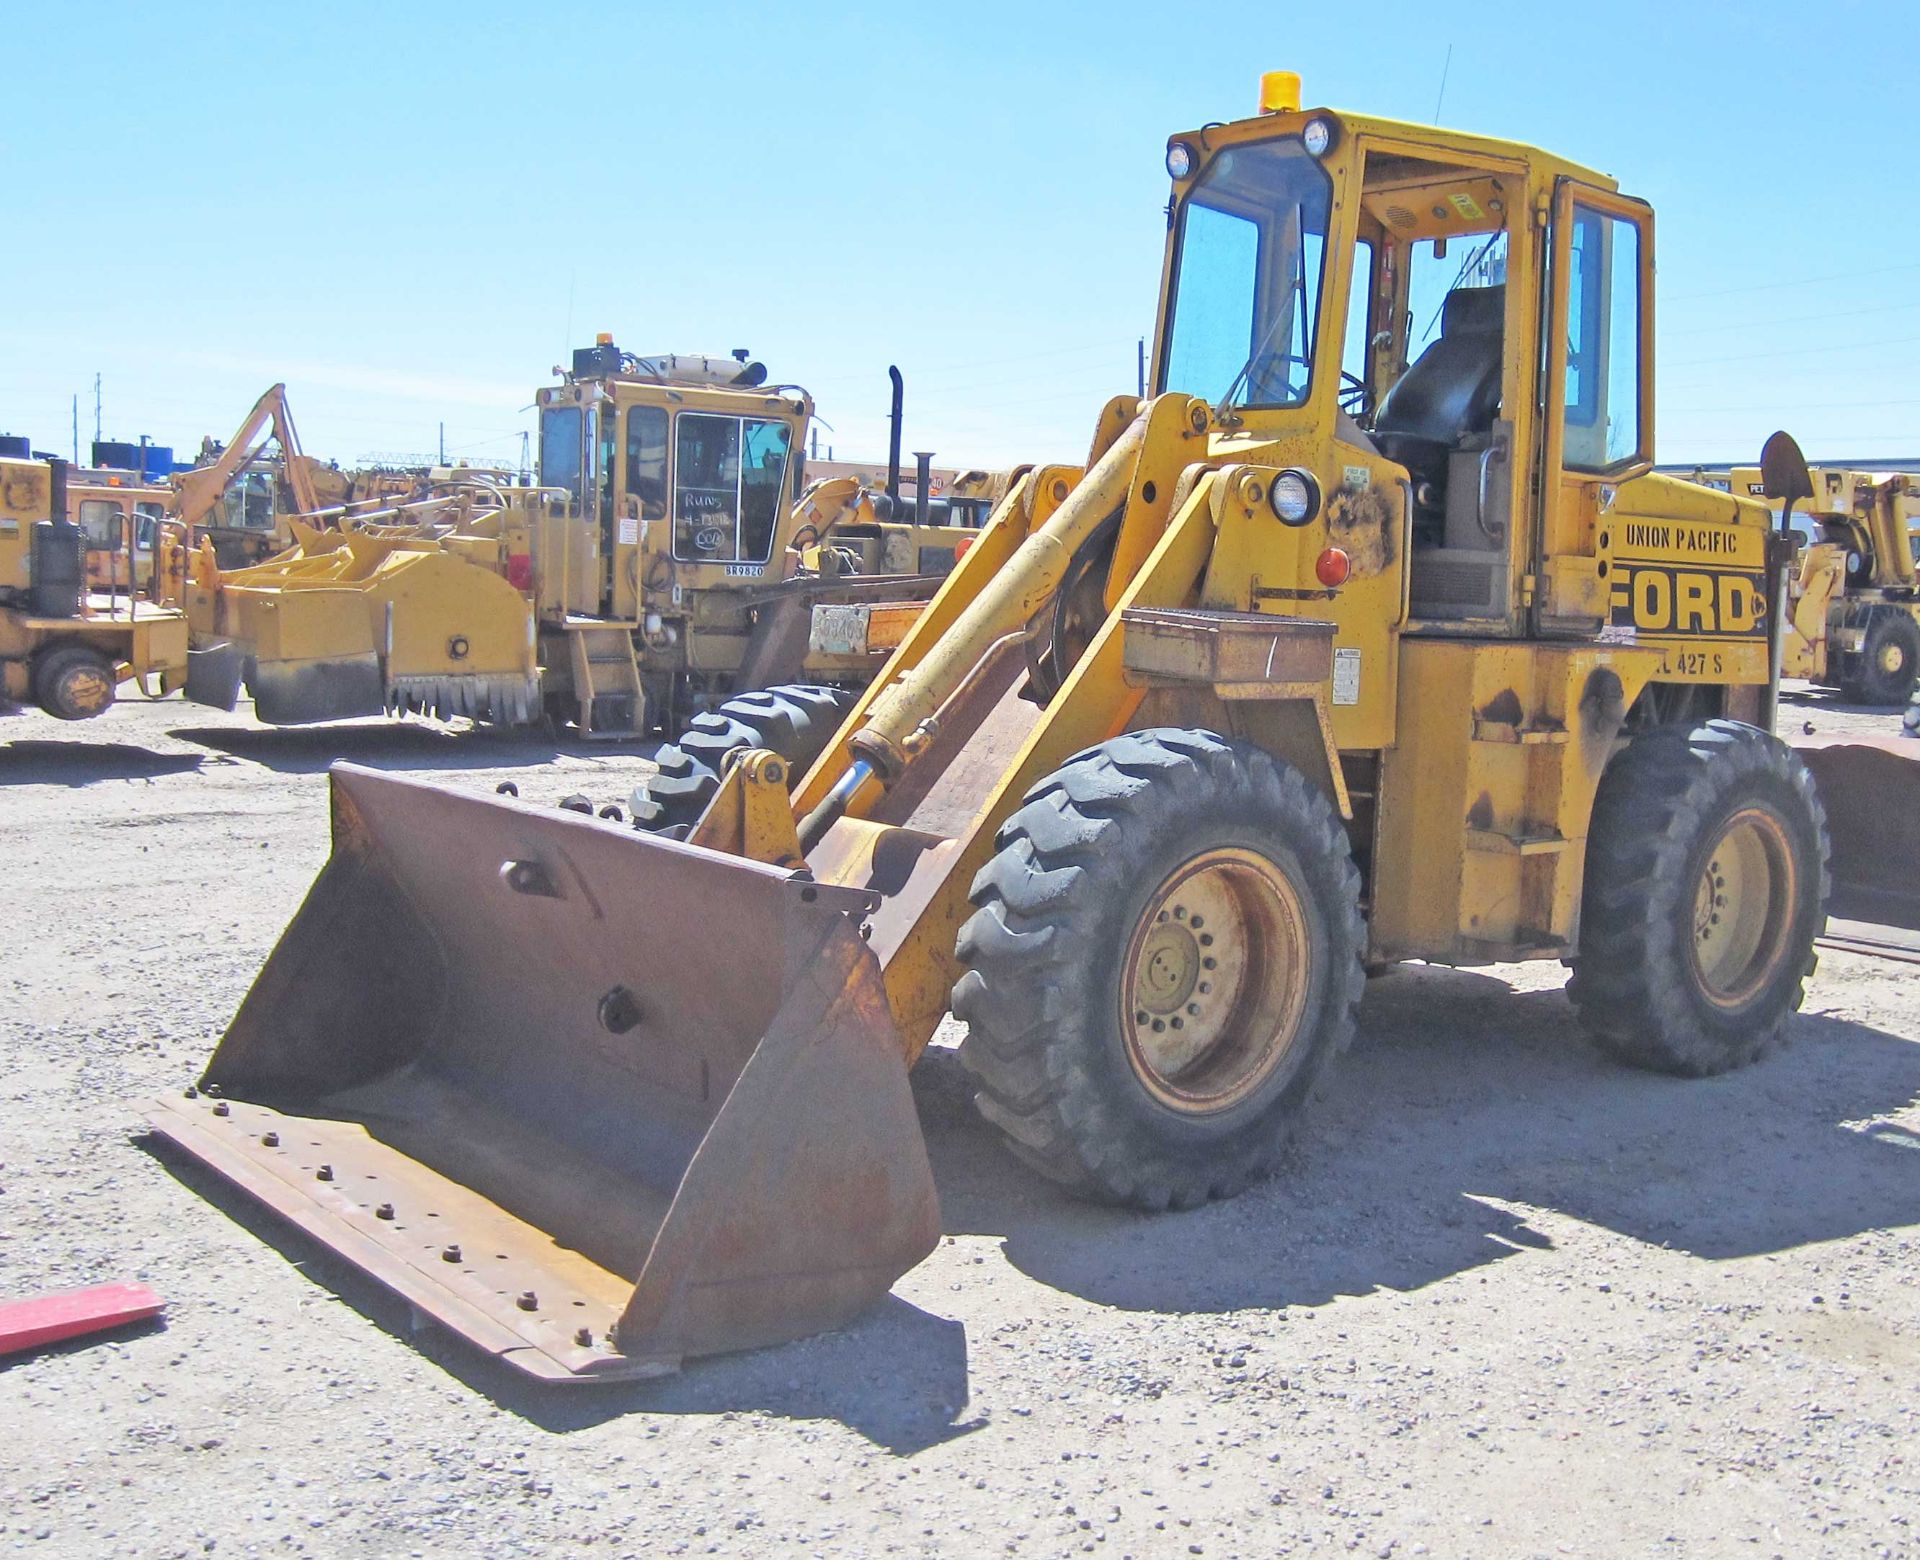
[1164,956]
[796,721]
[1706,884]
[1889,659]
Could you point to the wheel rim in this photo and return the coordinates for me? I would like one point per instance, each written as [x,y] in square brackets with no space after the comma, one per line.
[1214,985]
[1742,906]
[86,689]
[1893,658]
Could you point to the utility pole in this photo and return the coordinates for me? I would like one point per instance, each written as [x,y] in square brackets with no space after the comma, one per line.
[76,428]
[96,406]
[526,459]
[1140,366]
[443,444]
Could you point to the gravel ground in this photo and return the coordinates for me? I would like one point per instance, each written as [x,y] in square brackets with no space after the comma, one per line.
[1511,1300]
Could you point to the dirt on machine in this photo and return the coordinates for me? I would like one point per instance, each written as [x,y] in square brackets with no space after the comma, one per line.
[1343,647]
[671,552]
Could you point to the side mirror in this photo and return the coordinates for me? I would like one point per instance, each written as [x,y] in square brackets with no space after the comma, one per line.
[1784,477]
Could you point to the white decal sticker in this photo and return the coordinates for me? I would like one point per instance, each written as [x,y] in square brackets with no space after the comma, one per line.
[1359,478]
[1619,633]
[629,530]
[1346,676]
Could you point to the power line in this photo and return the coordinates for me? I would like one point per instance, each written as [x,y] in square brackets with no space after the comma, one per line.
[1804,281]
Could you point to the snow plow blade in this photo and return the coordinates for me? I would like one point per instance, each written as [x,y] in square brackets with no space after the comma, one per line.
[1870,787]
[596,1101]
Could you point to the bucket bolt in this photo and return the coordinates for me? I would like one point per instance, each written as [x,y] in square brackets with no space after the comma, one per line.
[222,1108]
[450,1254]
[324,1173]
[584,1337]
[528,1301]
[619,1011]
[384,1211]
[269,1139]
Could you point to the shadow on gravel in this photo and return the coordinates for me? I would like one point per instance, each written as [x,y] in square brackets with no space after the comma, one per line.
[392,745]
[1459,1090]
[898,1376]
[1808,703]
[49,761]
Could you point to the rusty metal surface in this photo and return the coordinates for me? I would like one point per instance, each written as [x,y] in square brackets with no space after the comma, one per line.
[596,1080]
[1870,787]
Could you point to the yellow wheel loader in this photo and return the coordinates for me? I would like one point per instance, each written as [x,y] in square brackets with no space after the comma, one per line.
[62,646]
[1367,636]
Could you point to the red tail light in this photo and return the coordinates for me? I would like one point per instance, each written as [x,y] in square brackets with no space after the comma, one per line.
[520,571]
[1332,567]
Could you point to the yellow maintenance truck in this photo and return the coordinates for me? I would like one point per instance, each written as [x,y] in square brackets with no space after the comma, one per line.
[62,646]
[672,554]
[1367,635]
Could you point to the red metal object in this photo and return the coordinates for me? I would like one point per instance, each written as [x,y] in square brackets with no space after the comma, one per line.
[73,1313]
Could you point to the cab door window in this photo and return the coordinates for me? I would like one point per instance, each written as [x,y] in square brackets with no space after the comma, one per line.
[728,477]
[1602,385]
[647,460]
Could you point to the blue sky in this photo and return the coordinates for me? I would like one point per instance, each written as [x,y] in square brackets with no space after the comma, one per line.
[410,212]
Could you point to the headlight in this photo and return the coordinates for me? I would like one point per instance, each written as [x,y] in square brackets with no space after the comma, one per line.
[1294,497]
[1317,137]
[1179,160]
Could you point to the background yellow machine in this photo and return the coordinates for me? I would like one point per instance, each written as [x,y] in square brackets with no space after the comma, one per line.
[671,555]
[1368,635]
[1853,620]
[61,646]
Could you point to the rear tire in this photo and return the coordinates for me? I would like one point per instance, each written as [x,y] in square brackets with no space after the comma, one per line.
[73,682]
[1706,884]
[796,721]
[1888,660]
[1124,1043]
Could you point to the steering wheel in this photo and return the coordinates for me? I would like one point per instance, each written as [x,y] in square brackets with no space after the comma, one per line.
[1267,370]
[1356,395]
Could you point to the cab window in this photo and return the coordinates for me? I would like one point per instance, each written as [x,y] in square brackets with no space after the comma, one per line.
[728,477]
[100,519]
[1246,290]
[647,460]
[1602,397]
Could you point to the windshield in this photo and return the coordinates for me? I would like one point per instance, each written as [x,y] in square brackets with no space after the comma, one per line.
[1246,296]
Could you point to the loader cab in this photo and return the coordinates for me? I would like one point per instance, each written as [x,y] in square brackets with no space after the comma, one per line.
[1464,320]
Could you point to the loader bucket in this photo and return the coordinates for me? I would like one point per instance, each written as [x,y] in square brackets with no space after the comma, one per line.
[595,1100]
[1870,787]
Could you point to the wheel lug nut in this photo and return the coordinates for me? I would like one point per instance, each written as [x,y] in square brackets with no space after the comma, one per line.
[1141,1017]
[1158,1025]
[1193,1009]
[1206,939]
[1197,922]
[1205,987]
[1179,912]
[1206,964]
[1179,1023]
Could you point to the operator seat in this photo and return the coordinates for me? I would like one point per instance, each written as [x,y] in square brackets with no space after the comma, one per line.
[1451,392]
